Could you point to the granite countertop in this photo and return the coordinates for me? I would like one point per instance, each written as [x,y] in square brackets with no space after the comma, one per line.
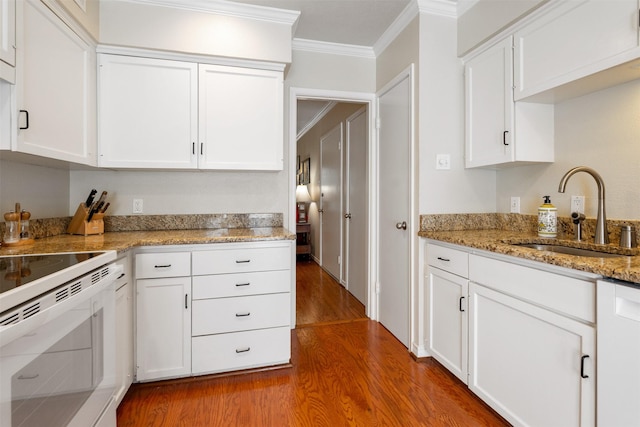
[625,268]
[123,240]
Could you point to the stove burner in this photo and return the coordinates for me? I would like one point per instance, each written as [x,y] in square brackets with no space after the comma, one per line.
[16,271]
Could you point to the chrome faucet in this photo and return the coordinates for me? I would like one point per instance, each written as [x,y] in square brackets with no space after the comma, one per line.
[602,235]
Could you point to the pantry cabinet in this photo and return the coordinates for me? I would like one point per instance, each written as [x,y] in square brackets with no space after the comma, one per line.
[573,40]
[163,315]
[56,88]
[499,131]
[8,40]
[169,114]
[447,287]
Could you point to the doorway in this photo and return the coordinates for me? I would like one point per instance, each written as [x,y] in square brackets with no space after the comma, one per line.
[353,200]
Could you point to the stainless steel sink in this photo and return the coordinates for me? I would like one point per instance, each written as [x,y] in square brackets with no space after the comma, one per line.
[568,250]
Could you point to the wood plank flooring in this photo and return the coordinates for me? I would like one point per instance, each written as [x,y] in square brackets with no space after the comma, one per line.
[346,371]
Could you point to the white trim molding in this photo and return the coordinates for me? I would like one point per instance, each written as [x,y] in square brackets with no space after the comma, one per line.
[333,48]
[228,8]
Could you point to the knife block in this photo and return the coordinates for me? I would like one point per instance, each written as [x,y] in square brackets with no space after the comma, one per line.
[80,225]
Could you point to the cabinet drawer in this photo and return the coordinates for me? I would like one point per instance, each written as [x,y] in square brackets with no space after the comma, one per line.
[563,294]
[241,350]
[241,284]
[241,260]
[447,259]
[215,316]
[163,264]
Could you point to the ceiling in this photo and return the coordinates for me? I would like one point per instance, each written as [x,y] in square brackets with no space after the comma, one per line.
[350,22]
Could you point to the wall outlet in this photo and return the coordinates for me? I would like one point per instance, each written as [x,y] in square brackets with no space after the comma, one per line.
[443,162]
[577,204]
[137,206]
[515,204]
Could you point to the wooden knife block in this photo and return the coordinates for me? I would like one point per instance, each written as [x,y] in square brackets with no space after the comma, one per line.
[80,225]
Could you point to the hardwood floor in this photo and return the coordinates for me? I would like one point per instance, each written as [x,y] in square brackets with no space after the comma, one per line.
[346,371]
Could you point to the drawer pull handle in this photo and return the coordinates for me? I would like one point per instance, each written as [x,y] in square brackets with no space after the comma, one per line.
[186,301]
[28,377]
[582,374]
[242,261]
[248,313]
[444,259]
[121,276]
[460,304]
[162,266]
[243,284]
[243,350]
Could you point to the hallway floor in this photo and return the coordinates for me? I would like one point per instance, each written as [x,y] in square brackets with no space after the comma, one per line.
[346,371]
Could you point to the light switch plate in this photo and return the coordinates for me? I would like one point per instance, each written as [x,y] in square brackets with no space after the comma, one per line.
[443,162]
[515,204]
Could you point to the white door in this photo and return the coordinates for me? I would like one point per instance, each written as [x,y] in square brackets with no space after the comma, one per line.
[355,263]
[394,205]
[330,201]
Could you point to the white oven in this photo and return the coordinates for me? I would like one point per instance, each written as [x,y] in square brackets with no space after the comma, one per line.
[57,354]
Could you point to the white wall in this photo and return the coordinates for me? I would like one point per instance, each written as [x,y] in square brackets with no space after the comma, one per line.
[43,191]
[441,118]
[600,130]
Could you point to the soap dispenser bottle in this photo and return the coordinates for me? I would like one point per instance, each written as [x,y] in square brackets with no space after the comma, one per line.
[547,219]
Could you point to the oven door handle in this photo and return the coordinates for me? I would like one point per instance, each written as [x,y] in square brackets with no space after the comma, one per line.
[14,331]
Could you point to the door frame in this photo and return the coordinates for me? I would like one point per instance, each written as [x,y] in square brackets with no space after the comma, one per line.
[369,99]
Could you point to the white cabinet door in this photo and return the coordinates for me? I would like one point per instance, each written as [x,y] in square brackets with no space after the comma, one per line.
[241,118]
[573,40]
[533,366]
[56,88]
[7,39]
[448,336]
[163,328]
[148,112]
[489,107]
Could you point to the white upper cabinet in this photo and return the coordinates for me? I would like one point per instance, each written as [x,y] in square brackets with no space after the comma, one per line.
[56,88]
[241,118]
[489,107]
[7,40]
[148,113]
[573,40]
[166,114]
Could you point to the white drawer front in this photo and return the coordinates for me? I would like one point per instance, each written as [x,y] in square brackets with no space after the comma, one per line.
[447,259]
[241,284]
[560,293]
[216,316]
[163,264]
[241,350]
[242,260]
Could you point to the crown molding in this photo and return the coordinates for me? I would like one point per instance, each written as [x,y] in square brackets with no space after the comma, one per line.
[314,121]
[228,8]
[414,8]
[333,48]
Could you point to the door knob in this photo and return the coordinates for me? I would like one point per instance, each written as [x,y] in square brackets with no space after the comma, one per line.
[401,225]
[320,210]
[347,216]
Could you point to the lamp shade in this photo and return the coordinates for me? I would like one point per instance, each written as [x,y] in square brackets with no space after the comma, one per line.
[302,194]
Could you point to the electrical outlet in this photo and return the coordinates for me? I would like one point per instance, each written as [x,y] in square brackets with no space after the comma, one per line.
[137,206]
[515,204]
[577,204]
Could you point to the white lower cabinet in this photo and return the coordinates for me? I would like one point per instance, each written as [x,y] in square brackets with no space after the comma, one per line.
[447,305]
[522,338]
[163,316]
[213,308]
[533,364]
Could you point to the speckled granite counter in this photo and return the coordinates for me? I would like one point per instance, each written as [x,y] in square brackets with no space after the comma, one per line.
[502,241]
[121,241]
